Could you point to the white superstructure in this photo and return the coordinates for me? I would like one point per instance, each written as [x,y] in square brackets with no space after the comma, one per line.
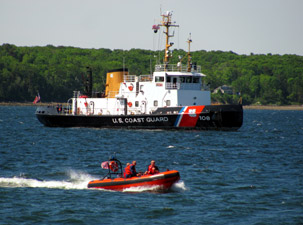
[169,86]
[144,94]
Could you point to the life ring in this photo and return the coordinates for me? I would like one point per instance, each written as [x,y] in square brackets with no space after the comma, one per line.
[131,87]
[130,104]
[113,166]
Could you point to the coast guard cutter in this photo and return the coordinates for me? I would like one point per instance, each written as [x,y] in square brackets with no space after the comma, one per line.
[175,96]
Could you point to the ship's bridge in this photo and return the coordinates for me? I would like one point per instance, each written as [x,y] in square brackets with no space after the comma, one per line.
[194,68]
[180,77]
[169,77]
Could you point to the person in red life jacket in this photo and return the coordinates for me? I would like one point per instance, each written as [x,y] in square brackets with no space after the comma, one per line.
[152,168]
[130,171]
[124,171]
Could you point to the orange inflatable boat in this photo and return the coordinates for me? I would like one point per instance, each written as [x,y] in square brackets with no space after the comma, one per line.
[115,181]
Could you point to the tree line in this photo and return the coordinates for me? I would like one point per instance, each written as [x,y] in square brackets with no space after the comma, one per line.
[55,72]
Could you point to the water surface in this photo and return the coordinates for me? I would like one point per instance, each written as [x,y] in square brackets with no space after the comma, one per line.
[252,176]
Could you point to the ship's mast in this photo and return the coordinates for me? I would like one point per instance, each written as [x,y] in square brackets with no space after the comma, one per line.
[189,64]
[188,55]
[167,23]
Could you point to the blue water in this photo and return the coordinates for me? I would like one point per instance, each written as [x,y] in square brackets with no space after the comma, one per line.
[252,176]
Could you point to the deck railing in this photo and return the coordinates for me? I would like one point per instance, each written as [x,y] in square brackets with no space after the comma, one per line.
[145,78]
[187,86]
[141,78]
[177,67]
[130,78]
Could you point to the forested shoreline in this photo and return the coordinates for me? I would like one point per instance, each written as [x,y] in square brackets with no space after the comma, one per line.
[55,72]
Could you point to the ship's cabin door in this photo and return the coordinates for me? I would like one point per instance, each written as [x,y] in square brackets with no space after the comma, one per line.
[121,106]
[174,80]
[91,108]
[143,107]
[171,82]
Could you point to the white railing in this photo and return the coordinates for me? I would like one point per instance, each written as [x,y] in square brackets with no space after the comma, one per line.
[176,67]
[145,78]
[187,86]
[99,111]
[108,111]
[141,78]
[172,85]
[130,78]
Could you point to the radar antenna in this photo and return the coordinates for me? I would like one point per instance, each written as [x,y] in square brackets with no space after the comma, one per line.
[167,23]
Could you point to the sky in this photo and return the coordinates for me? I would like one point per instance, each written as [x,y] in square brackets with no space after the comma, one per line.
[241,26]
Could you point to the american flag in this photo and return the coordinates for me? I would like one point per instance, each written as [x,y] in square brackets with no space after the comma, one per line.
[37,99]
[104,165]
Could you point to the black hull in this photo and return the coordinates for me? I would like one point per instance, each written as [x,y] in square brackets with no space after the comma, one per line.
[213,117]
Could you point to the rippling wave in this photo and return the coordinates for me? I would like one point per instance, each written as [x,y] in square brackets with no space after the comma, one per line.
[252,176]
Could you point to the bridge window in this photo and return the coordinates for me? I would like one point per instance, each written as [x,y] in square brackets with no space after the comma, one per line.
[188,79]
[159,79]
[155,103]
[196,79]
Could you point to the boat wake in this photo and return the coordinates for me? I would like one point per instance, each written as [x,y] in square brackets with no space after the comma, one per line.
[177,187]
[76,180]
[144,189]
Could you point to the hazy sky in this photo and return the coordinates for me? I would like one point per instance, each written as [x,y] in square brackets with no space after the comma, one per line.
[241,26]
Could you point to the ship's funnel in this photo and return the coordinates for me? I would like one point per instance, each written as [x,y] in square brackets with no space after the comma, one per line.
[88,82]
[113,80]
